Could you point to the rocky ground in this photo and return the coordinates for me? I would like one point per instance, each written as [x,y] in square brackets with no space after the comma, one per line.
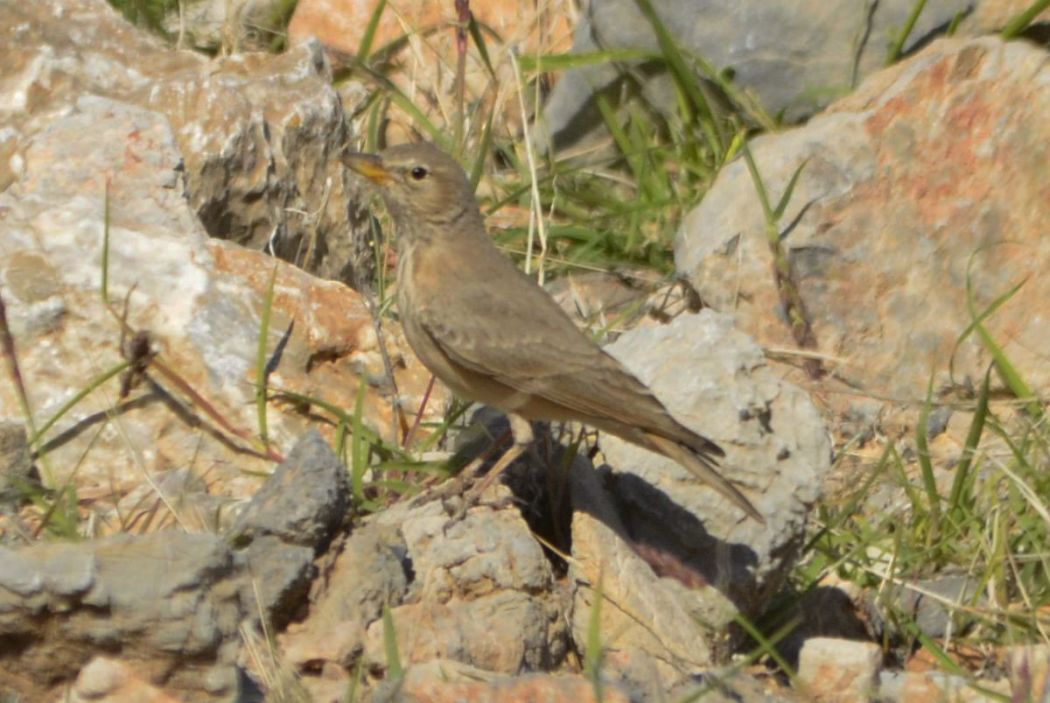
[169,534]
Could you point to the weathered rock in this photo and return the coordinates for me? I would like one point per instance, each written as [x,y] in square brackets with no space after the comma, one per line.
[926,686]
[256,134]
[687,561]
[716,381]
[481,594]
[839,671]
[924,189]
[201,301]
[277,578]
[794,57]
[478,591]
[439,681]
[370,570]
[303,502]
[662,632]
[167,601]
[932,604]
[171,606]
[17,475]
[106,680]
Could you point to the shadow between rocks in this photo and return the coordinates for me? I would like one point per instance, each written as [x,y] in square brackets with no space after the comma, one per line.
[673,541]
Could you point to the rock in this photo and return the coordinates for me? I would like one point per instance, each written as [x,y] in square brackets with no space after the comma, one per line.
[256,134]
[829,610]
[439,681]
[478,591]
[200,300]
[716,381]
[366,573]
[794,58]
[932,603]
[506,632]
[925,686]
[106,680]
[943,155]
[481,594]
[663,632]
[17,474]
[839,671]
[277,578]
[169,601]
[305,500]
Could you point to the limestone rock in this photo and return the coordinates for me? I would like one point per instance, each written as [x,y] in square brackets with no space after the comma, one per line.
[923,190]
[256,134]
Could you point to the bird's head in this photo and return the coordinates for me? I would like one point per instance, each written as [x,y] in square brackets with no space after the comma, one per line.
[420,184]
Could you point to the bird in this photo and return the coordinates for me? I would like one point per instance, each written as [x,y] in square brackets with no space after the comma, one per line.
[494,336]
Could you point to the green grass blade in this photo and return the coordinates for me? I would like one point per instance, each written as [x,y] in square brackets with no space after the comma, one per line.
[84,392]
[564,62]
[929,481]
[686,80]
[358,446]
[368,38]
[973,438]
[898,45]
[778,212]
[104,288]
[393,658]
[1005,368]
[474,29]
[478,167]
[593,652]
[1021,22]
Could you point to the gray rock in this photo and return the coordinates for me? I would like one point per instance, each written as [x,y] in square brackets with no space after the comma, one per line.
[304,501]
[18,574]
[717,381]
[794,57]
[16,466]
[277,578]
[934,604]
[365,573]
[479,591]
[169,600]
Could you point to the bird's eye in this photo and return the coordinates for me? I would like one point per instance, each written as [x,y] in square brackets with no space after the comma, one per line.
[419,173]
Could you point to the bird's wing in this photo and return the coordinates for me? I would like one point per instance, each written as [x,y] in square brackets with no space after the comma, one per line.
[543,354]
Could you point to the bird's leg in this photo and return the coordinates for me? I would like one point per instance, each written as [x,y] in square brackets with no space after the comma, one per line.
[523,437]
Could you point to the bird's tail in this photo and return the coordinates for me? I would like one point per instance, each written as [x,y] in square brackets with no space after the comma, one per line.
[704,469]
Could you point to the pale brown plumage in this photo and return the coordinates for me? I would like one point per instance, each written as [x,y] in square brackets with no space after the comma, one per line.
[492,335]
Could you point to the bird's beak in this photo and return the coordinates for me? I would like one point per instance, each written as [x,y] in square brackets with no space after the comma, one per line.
[368,165]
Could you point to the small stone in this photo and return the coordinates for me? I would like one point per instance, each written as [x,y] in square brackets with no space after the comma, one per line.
[17,574]
[305,499]
[69,571]
[100,677]
[837,670]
